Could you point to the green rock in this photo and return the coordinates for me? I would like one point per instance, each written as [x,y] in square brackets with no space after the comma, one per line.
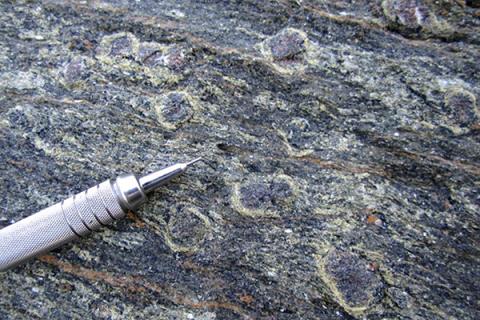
[342,154]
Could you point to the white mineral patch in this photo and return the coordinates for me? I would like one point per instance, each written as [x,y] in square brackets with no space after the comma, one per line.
[21,80]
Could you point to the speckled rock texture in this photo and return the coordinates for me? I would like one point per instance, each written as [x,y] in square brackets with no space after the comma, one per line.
[342,153]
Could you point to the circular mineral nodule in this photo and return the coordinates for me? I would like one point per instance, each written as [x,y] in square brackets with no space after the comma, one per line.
[287,44]
[174,109]
[118,46]
[351,281]
[187,228]
[264,196]
[461,107]
[75,69]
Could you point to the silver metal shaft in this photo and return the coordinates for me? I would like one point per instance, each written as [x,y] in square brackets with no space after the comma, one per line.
[79,215]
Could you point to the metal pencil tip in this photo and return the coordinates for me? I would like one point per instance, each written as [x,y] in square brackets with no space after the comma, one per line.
[193,161]
[158,178]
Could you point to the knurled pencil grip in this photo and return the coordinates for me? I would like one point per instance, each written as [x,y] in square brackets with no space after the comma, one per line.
[63,222]
[79,215]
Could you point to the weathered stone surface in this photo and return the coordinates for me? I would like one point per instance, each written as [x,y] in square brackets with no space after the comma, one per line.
[342,153]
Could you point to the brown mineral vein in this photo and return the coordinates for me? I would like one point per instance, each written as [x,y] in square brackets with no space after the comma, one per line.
[367,24]
[139,284]
[354,168]
[344,166]
[470,168]
[137,221]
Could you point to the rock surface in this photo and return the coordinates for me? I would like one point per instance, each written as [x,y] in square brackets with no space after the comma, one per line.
[342,146]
